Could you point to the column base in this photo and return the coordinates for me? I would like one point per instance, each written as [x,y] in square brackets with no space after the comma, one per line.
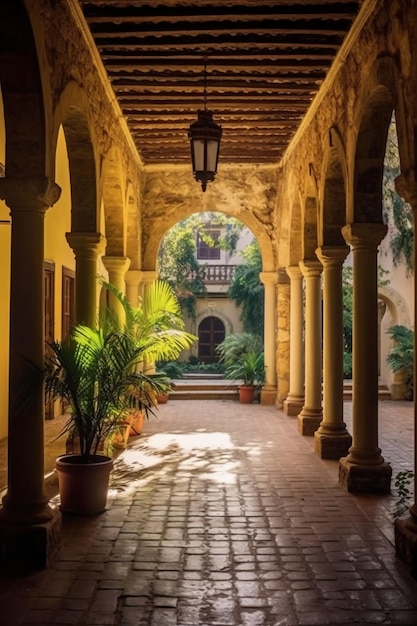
[268,395]
[365,478]
[293,405]
[29,547]
[406,544]
[332,446]
[308,424]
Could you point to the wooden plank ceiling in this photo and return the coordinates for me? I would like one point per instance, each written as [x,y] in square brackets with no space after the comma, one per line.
[266,60]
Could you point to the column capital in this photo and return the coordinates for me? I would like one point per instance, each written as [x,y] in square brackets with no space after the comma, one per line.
[115,263]
[268,278]
[149,276]
[364,235]
[86,244]
[133,277]
[311,268]
[294,272]
[332,256]
[29,192]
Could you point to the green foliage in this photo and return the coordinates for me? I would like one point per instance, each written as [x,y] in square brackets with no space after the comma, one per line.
[401,356]
[243,358]
[396,210]
[94,373]
[402,483]
[177,256]
[178,266]
[172,369]
[156,324]
[195,366]
[247,291]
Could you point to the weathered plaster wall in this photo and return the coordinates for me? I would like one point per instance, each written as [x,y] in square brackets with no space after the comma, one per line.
[246,193]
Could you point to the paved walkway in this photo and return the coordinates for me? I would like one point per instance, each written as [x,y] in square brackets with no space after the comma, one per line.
[221,514]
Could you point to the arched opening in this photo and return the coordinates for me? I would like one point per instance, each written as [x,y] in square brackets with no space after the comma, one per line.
[204,257]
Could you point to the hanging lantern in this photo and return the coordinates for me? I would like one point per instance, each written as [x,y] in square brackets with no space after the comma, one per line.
[204,136]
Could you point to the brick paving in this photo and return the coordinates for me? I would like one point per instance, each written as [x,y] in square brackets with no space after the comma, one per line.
[221,514]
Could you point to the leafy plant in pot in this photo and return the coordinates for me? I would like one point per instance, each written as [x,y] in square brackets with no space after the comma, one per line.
[244,360]
[94,373]
[156,324]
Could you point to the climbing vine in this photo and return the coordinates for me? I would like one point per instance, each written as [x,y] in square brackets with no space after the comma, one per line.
[397,213]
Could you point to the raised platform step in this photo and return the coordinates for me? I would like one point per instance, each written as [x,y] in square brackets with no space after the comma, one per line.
[383,391]
[213,387]
[192,388]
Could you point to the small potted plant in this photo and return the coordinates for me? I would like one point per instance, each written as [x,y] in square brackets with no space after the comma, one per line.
[243,357]
[93,373]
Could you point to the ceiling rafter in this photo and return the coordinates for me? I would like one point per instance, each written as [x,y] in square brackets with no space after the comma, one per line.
[265,62]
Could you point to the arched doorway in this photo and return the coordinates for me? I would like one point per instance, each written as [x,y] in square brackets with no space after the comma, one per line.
[211,332]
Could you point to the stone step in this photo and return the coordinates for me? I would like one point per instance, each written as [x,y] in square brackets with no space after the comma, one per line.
[383,391]
[210,388]
[204,389]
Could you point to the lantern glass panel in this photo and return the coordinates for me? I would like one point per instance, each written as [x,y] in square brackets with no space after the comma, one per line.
[212,155]
[198,145]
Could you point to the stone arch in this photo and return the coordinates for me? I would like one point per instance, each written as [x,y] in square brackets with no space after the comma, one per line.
[22,93]
[396,306]
[377,102]
[151,249]
[72,112]
[394,312]
[133,239]
[114,204]
[207,312]
[310,218]
[163,209]
[333,213]
[290,246]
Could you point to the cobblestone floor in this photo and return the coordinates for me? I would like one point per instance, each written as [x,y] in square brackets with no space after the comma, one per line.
[221,514]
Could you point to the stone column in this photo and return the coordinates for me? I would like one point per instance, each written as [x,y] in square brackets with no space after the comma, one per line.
[406,529]
[133,279]
[311,414]
[283,336]
[364,469]
[116,267]
[269,389]
[332,440]
[29,528]
[87,247]
[148,278]
[295,399]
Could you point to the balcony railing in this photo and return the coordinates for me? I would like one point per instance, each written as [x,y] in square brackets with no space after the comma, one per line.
[215,274]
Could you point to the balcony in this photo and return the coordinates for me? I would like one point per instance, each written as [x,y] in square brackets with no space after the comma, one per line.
[215,274]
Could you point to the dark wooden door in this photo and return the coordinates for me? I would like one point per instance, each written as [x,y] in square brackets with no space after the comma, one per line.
[211,332]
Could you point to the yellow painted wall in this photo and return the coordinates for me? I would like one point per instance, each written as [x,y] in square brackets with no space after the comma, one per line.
[57,223]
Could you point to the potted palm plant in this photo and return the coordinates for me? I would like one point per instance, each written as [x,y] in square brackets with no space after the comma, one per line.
[243,357]
[156,324]
[93,373]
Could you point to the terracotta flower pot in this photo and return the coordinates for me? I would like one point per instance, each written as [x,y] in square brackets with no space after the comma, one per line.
[247,393]
[83,486]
